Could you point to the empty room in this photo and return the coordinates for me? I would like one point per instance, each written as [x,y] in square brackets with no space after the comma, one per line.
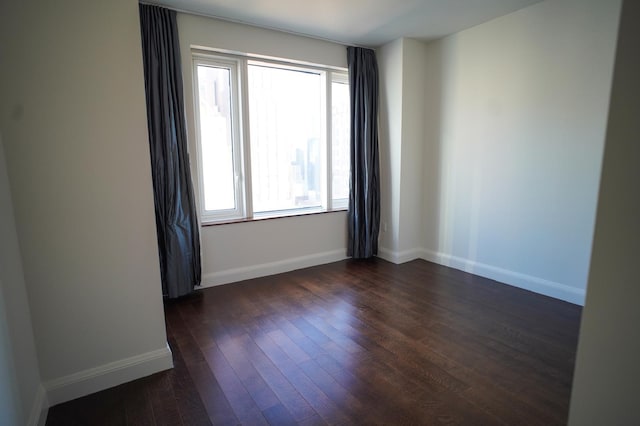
[372,212]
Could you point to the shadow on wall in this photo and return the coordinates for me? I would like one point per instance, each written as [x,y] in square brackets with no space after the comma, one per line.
[433,193]
[8,385]
[385,160]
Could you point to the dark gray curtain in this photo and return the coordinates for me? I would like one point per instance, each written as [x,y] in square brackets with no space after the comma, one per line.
[176,220]
[364,185]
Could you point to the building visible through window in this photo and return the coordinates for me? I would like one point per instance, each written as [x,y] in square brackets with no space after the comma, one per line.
[273,138]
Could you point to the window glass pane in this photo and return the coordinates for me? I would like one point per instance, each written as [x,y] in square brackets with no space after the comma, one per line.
[340,151]
[216,137]
[285,114]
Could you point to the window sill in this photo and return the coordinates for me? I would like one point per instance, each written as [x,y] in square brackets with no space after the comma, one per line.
[268,217]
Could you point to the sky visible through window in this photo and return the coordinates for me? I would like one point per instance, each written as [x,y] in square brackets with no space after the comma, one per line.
[286,125]
[216,138]
[285,113]
[340,134]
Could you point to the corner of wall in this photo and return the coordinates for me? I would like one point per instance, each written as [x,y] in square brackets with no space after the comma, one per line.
[513,278]
[399,257]
[105,376]
[504,276]
[39,409]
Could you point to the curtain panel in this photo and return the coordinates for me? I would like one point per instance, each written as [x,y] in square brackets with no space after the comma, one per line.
[364,184]
[176,217]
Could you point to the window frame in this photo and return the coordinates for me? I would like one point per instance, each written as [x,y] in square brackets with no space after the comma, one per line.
[343,78]
[235,75]
[238,64]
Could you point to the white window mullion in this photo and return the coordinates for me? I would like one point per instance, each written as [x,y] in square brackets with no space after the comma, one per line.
[328,176]
[237,143]
[199,168]
[246,139]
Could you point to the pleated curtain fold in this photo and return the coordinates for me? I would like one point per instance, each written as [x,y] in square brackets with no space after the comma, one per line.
[364,185]
[176,216]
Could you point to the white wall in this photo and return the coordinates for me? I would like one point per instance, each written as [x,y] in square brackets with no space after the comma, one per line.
[244,250]
[402,108]
[518,121]
[21,395]
[432,189]
[390,59]
[413,136]
[10,406]
[605,386]
[73,122]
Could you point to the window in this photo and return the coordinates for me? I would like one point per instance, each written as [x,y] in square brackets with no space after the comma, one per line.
[273,137]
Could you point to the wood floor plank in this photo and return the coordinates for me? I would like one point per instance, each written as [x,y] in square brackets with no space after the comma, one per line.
[278,415]
[259,390]
[354,342]
[240,400]
[291,399]
[214,399]
[190,406]
[305,386]
[163,402]
[137,404]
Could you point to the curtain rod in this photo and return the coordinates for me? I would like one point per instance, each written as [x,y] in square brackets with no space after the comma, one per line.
[265,27]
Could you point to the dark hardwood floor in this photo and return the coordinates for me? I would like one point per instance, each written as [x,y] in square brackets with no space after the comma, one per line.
[354,343]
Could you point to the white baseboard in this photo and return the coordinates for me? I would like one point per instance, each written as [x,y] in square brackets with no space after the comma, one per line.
[39,409]
[271,268]
[516,279]
[398,257]
[105,376]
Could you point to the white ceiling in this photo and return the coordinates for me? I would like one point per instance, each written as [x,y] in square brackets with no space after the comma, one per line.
[361,22]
